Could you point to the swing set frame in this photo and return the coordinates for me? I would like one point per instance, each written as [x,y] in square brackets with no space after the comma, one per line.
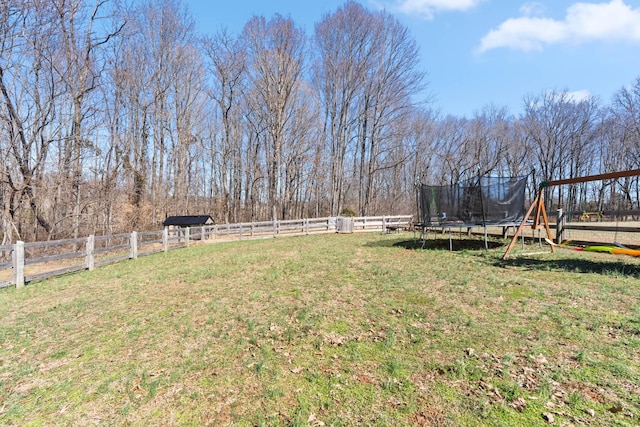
[536,217]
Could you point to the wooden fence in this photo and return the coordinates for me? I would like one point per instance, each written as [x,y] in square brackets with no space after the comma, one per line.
[22,263]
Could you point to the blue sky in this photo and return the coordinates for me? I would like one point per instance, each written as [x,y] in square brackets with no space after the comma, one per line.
[481,52]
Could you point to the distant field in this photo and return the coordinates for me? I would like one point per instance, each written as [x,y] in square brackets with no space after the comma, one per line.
[609,237]
[342,330]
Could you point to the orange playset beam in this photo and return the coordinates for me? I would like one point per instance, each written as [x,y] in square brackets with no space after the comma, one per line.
[540,210]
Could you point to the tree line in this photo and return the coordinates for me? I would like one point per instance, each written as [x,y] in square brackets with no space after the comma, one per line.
[114,116]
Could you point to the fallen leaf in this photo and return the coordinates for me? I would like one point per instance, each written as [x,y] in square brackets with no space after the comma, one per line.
[519,404]
[548,417]
[313,421]
[541,360]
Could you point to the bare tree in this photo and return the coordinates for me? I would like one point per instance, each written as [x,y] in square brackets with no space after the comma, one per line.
[29,89]
[391,80]
[560,131]
[367,77]
[275,64]
[626,111]
[157,76]
[227,65]
[342,41]
[107,127]
[81,69]
[188,97]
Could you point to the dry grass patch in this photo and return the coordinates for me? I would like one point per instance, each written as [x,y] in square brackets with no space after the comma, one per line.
[326,330]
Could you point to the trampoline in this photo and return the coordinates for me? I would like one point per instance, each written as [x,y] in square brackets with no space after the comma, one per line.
[481,202]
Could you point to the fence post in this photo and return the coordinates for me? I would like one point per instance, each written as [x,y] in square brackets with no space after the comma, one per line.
[240,231]
[17,275]
[187,235]
[133,244]
[165,239]
[561,222]
[275,228]
[384,224]
[89,258]
[306,226]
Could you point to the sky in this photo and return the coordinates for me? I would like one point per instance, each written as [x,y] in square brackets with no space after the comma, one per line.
[478,53]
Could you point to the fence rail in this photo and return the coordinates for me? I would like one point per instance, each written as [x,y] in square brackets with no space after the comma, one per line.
[23,263]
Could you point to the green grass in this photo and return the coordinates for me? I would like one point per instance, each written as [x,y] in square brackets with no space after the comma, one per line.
[339,330]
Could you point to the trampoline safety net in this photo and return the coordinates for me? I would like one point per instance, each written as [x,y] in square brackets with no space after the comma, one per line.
[483,201]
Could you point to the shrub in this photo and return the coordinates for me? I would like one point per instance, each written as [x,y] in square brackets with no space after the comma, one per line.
[347,212]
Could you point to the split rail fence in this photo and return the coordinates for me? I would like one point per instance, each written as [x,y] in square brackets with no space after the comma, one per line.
[23,263]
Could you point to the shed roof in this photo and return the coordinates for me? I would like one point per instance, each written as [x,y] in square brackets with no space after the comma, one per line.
[188,220]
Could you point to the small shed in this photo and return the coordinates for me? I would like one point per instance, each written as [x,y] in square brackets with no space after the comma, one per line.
[188,221]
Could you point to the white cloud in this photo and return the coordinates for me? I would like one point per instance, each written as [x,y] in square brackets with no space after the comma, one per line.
[612,21]
[524,34]
[532,9]
[563,97]
[427,8]
[579,95]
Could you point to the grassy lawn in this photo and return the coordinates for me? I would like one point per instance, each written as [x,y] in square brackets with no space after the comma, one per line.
[327,330]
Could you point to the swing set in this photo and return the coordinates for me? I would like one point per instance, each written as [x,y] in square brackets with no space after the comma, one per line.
[536,217]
